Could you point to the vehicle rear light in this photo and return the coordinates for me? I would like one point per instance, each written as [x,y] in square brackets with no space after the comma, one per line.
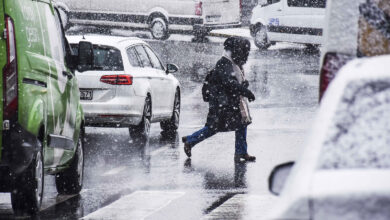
[199,8]
[331,65]
[117,79]
[10,75]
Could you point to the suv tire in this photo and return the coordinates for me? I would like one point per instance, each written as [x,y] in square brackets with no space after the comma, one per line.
[26,198]
[141,131]
[70,181]
[172,124]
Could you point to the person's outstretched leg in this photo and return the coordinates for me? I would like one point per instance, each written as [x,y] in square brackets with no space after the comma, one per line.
[195,138]
[242,146]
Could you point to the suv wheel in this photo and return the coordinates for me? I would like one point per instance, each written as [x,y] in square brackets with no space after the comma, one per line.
[70,181]
[159,29]
[142,130]
[260,38]
[173,124]
[26,198]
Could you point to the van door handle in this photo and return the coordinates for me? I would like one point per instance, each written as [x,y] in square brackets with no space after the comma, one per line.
[279,9]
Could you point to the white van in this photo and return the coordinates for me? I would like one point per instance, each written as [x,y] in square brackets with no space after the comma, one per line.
[160,16]
[298,21]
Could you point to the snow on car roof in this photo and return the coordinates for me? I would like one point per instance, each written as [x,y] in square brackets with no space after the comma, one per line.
[357,133]
[113,41]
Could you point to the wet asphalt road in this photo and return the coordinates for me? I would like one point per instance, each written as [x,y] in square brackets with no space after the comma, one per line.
[155,180]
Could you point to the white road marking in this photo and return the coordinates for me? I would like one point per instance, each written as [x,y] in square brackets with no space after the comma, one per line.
[244,206]
[137,205]
[114,171]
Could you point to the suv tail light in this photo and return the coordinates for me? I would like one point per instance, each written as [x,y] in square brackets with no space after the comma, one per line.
[10,74]
[117,79]
[331,65]
[199,8]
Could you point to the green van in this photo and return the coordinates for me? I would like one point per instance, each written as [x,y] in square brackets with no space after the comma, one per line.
[42,119]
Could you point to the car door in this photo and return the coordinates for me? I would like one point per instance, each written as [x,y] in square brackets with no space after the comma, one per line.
[165,83]
[303,20]
[60,113]
[153,79]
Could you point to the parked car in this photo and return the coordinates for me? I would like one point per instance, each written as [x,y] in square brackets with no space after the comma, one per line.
[352,29]
[161,17]
[344,172]
[42,119]
[297,21]
[128,86]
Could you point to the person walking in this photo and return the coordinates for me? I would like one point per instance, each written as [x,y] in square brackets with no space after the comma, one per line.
[228,100]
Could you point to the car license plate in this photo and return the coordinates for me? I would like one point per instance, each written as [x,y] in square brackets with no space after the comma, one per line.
[86,94]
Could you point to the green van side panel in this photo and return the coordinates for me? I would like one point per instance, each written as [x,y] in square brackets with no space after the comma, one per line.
[38,105]
[3,60]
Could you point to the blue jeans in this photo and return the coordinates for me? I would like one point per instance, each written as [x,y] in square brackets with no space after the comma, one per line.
[206,132]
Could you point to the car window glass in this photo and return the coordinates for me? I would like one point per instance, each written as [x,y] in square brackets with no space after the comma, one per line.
[133,58]
[143,56]
[107,58]
[307,3]
[55,36]
[269,2]
[358,136]
[154,59]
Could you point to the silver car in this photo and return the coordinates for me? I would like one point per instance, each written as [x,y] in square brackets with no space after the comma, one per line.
[128,86]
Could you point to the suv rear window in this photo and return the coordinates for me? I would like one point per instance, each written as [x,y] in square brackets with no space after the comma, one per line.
[358,136]
[307,3]
[105,58]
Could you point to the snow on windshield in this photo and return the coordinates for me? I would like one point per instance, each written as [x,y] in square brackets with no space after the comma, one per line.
[359,135]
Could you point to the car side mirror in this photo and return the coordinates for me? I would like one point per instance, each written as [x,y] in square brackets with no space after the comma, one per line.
[171,68]
[278,177]
[85,56]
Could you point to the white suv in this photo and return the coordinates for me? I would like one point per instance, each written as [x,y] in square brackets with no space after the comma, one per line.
[298,21]
[127,86]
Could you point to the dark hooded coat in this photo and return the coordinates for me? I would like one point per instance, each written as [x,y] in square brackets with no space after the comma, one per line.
[224,105]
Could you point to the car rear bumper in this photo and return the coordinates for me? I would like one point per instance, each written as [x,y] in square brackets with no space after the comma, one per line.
[110,120]
[117,112]
[19,148]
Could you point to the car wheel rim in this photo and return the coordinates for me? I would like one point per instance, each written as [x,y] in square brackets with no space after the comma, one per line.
[261,37]
[158,29]
[147,116]
[176,112]
[80,162]
[39,177]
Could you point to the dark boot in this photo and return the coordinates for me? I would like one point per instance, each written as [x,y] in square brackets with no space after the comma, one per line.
[187,146]
[244,157]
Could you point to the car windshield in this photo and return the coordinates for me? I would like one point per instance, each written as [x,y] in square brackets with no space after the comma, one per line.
[359,133]
[105,58]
